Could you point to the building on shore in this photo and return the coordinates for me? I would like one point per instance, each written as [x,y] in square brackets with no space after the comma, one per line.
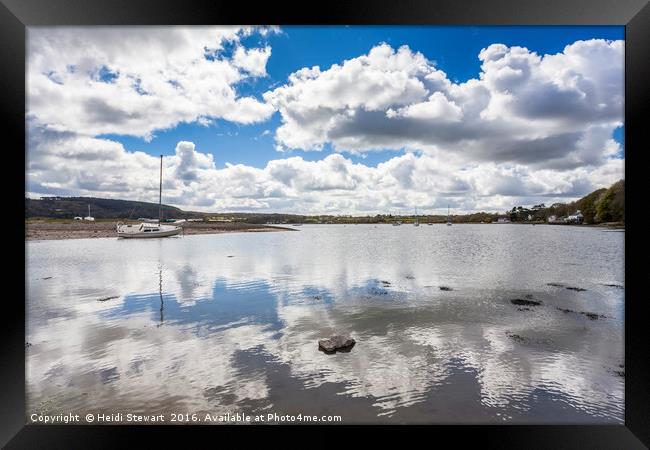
[556,219]
[575,218]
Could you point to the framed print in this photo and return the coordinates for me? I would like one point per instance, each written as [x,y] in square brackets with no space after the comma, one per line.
[378,214]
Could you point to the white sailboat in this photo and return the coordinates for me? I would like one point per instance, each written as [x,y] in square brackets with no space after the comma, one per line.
[89,217]
[416,223]
[149,230]
[448,217]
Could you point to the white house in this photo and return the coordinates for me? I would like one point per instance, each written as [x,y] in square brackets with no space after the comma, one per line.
[555,219]
[576,218]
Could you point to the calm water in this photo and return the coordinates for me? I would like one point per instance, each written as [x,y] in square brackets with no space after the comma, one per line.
[229,323]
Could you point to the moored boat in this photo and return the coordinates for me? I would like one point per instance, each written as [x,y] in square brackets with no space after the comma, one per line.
[147,229]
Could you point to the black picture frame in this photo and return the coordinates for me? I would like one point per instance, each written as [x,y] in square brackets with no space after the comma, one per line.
[16,15]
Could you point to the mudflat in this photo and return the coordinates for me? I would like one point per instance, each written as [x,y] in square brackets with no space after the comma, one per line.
[48,230]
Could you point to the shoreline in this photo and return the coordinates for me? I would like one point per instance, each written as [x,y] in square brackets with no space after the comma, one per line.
[47,231]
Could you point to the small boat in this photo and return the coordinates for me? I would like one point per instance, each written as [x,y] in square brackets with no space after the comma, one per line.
[89,218]
[448,217]
[147,229]
[416,223]
[397,223]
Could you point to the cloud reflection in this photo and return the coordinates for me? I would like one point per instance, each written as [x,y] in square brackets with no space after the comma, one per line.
[228,325]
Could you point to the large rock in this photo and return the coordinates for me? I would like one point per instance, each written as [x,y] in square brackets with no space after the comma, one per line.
[337,342]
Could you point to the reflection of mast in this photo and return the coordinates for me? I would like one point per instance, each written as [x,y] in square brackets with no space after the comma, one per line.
[160,292]
[160,195]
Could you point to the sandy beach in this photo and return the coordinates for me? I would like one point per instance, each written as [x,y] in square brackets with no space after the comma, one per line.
[48,230]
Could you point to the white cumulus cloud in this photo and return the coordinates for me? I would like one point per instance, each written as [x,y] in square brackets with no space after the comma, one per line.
[66,164]
[545,111]
[136,80]
[528,129]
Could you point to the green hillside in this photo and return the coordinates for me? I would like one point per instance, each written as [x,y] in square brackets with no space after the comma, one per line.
[100,208]
[600,206]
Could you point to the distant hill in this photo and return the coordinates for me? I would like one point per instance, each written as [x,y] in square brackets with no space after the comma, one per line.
[100,208]
[602,205]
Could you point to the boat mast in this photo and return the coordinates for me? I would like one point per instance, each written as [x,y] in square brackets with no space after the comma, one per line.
[160,194]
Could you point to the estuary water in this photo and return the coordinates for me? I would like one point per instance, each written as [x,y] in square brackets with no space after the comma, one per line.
[229,323]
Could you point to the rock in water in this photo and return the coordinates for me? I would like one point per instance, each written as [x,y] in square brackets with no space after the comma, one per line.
[337,342]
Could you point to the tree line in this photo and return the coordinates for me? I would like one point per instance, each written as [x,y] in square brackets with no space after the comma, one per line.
[602,205]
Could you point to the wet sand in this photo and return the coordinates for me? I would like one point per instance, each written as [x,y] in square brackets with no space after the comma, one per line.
[46,230]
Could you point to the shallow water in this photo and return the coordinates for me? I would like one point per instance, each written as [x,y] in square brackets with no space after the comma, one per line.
[229,324]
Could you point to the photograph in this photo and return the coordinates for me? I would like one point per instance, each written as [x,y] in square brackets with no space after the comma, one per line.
[325,224]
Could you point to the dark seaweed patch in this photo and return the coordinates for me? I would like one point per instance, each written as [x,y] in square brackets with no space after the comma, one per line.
[577,289]
[593,316]
[522,302]
[590,315]
[516,337]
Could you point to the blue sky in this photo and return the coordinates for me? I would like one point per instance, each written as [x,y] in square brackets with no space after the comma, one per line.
[454,49]
[327,119]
